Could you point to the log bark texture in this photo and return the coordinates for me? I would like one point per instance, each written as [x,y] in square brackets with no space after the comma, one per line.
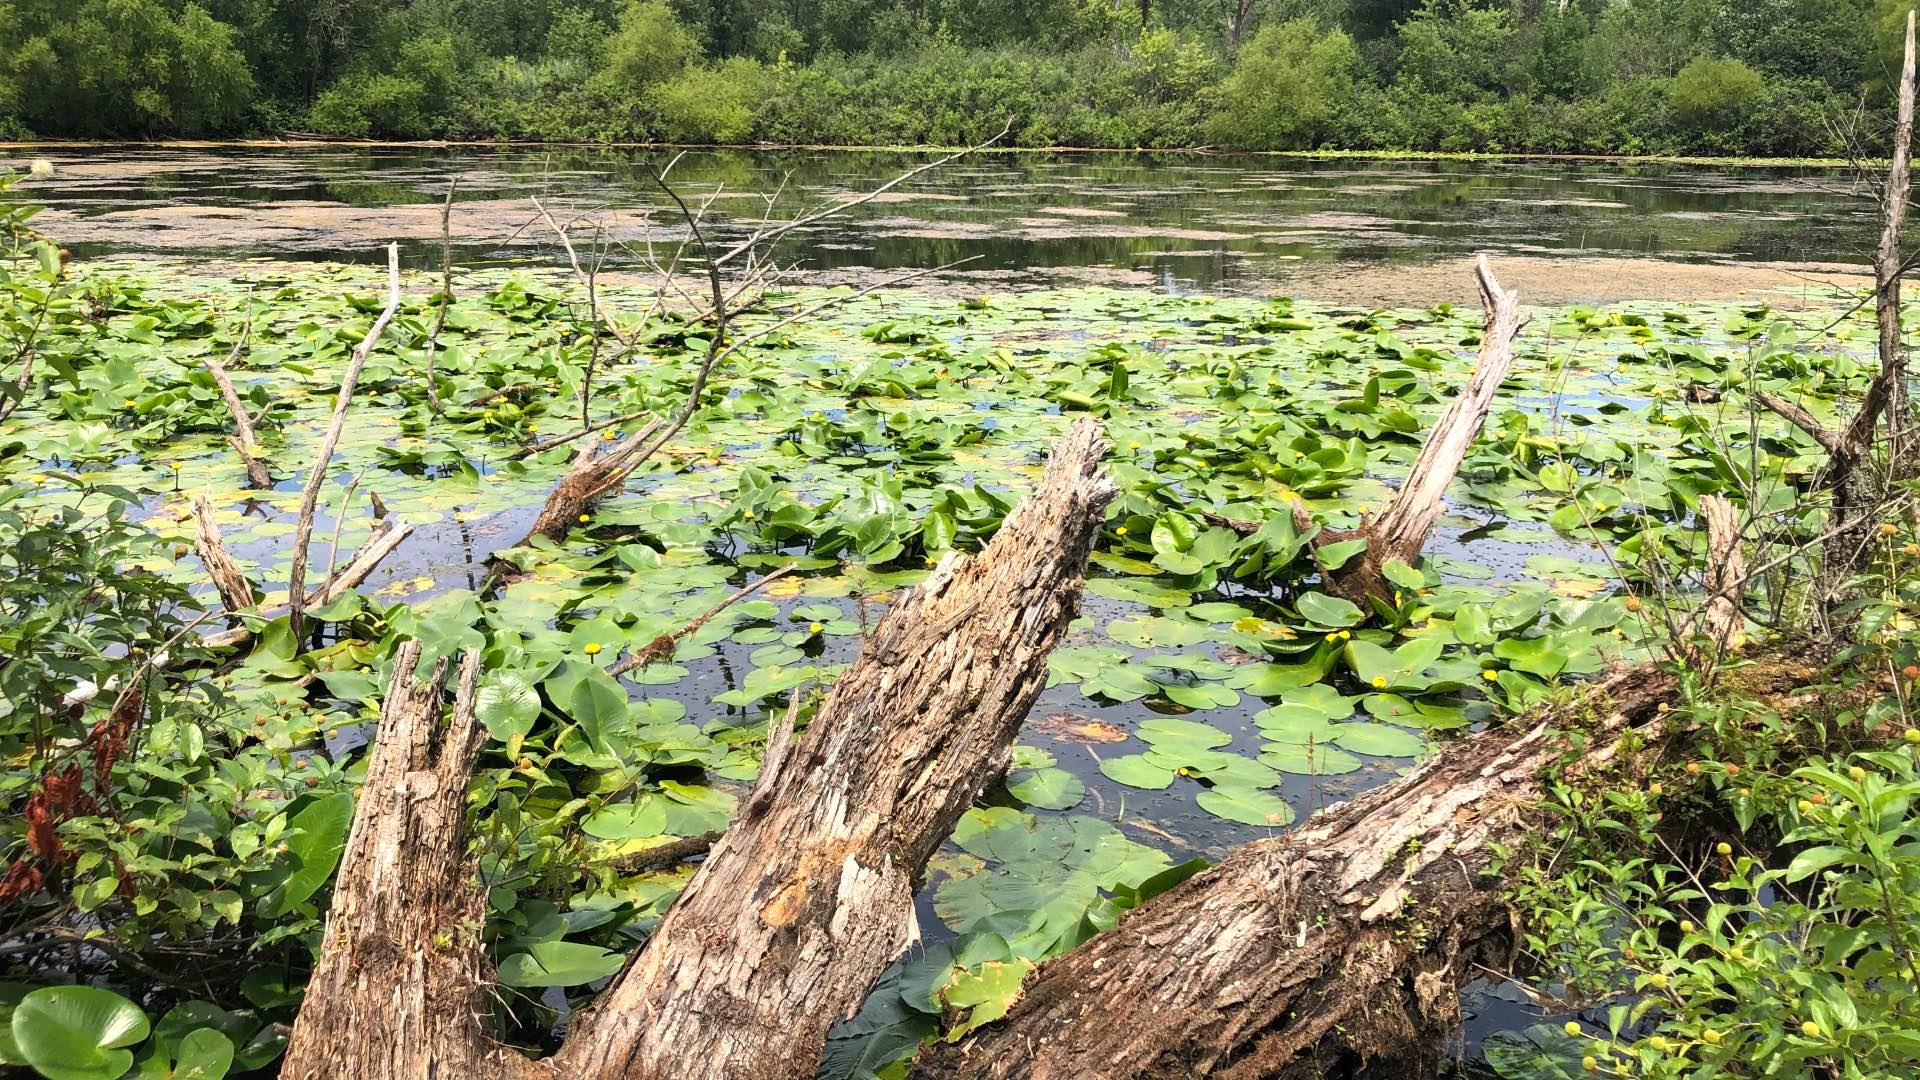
[401,987]
[801,903]
[235,591]
[1343,942]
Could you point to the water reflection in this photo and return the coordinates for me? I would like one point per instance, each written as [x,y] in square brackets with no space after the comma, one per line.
[1175,221]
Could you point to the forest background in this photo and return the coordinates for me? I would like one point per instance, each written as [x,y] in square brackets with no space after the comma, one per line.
[1763,78]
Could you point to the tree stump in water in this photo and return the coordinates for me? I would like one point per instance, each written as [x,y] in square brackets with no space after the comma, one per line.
[1401,530]
[801,904]
[1340,943]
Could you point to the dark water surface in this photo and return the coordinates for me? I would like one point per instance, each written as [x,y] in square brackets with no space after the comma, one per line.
[1167,220]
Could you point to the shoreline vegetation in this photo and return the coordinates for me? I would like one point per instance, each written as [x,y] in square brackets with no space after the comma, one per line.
[292,141]
[1661,79]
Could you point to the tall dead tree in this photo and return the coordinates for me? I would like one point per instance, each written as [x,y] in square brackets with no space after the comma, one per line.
[1855,483]
[802,903]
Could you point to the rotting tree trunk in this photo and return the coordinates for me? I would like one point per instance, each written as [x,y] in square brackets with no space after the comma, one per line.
[400,987]
[1341,943]
[803,901]
[1721,617]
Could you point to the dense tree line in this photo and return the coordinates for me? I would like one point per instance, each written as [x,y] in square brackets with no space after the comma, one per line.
[1770,77]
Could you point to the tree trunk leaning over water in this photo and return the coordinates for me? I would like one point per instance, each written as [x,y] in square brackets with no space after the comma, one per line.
[1342,942]
[1401,530]
[801,904]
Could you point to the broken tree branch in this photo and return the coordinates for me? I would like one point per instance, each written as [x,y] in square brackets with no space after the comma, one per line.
[235,592]
[446,295]
[1401,530]
[377,547]
[323,462]
[244,440]
[662,647]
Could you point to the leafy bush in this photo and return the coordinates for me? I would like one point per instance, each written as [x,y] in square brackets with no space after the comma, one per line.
[650,47]
[1287,88]
[708,104]
[123,67]
[1715,97]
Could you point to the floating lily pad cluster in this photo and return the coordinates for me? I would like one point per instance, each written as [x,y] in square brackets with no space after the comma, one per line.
[863,446]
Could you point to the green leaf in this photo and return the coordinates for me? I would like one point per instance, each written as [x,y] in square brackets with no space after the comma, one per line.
[203,1054]
[318,834]
[1815,859]
[77,1032]
[1334,556]
[1309,759]
[1134,770]
[1327,612]
[645,816]
[988,992]
[1247,805]
[559,963]
[1049,789]
[508,705]
[1378,740]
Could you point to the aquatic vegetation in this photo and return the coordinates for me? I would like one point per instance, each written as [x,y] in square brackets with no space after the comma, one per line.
[859,448]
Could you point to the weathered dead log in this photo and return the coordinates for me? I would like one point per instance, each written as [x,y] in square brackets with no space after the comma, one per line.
[1401,530]
[235,591]
[1343,942]
[802,902]
[1720,616]
[404,926]
[599,469]
[244,440]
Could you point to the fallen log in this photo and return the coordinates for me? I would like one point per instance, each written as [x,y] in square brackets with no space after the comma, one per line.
[1342,943]
[801,903]
[1401,530]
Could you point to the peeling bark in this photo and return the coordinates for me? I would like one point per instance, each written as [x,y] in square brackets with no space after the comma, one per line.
[1341,943]
[801,903]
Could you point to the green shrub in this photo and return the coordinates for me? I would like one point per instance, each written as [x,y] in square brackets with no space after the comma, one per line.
[649,48]
[708,104]
[1287,88]
[1715,97]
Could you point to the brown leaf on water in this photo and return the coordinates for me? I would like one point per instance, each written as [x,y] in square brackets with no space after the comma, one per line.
[1080,728]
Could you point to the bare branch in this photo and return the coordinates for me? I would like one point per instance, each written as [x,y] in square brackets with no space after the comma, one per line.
[322,465]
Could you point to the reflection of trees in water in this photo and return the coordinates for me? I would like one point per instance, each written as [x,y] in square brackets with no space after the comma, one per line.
[1312,209]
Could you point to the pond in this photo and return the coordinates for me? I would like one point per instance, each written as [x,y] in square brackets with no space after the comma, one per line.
[1210,695]
[1165,221]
